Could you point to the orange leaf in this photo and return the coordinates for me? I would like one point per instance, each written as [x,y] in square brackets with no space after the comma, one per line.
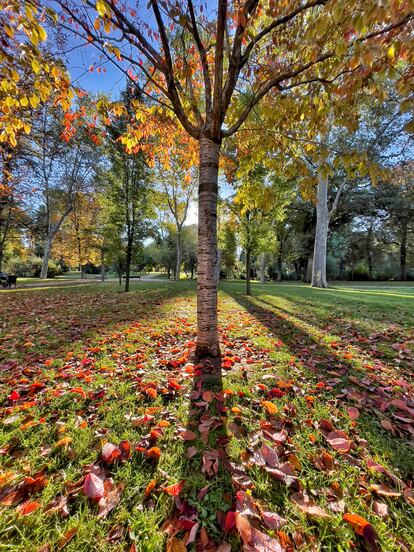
[270,407]
[150,487]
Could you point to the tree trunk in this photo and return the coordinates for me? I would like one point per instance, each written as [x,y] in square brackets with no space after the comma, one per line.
[321,235]
[46,257]
[403,252]
[218,265]
[102,266]
[120,274]
[82,271]
[168,273]
[207,333]
[279,267]
[1,255]
[178,263]
[248,271]
[370,259]
[309,265]
[128,263]
[262,268]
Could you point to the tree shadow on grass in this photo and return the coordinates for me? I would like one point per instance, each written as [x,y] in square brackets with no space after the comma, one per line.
[42,323]
[206,469]
[322,364]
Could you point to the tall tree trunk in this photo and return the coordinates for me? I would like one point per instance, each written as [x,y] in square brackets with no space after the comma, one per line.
[262,268]
[248,271]
[82,271]
[102,266]
[309,265]
[207,333]
[279,267]
[218,265]
[321,235]
[119,274]
[46,257]
[1,255]
[178,263]
[369,253]
[128,263]
[403,252]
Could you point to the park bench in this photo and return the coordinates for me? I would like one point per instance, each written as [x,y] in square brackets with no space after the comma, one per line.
[7,280]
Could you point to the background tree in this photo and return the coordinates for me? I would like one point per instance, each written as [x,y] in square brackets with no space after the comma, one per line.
[177,184]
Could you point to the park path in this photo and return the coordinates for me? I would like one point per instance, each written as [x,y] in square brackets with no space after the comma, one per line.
[79,282]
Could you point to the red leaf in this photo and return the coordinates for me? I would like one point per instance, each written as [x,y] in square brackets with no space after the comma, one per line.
[125,448]
[230,521]
[14,396]
[174,490]
[353,412]
[93,487]
[339,441]
[28,508]
[110,453]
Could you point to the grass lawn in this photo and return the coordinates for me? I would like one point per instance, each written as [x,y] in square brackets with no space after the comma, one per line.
[300,437]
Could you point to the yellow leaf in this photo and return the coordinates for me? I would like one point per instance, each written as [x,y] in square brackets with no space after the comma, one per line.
[101,8]
[35,66]
[34,101]
[42,33]
[24,102]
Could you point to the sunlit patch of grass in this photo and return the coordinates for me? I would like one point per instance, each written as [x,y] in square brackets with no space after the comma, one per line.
[297,317]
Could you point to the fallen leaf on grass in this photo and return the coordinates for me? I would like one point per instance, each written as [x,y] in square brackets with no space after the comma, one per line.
[353,412]
[363,528]
[93,487]
[270,408]
[187,435]
[176,545]
[174,490]
[27,508]
[308,506]
[110,500]
[339,441]
[68,535]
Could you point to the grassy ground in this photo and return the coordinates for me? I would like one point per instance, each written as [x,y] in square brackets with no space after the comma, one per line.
[306,424]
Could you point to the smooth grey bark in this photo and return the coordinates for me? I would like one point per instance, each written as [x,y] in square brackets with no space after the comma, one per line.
[321,235]
[370,257]
[46,256]
[308,275]
[207,332]
[128,261]
[248,271]
[262,268]
[102,266]
[403,251]
[323,216]
[178,262]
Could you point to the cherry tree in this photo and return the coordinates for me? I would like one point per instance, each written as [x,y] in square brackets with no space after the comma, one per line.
[210,69]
